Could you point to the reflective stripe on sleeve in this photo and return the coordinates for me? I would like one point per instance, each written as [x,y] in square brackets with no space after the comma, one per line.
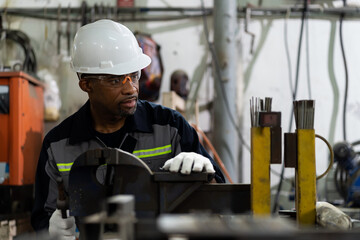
[64,167]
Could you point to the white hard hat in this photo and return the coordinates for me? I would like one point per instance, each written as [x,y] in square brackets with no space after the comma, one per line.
[107,47]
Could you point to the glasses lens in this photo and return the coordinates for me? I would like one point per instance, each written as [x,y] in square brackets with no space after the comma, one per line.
[115,81]
[135,76]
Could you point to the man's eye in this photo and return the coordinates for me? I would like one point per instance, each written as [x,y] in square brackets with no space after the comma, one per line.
[134,76]
[115,81]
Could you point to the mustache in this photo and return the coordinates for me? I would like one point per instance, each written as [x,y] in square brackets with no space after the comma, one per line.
[130,97]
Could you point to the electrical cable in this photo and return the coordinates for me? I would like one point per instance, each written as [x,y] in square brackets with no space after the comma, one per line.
[355,143]
[338,186]
[346,72]
[278,174]
[307,55]
[218,159]
[218,74]
[304,15]
[341,176]
[305,9]
[286,41]
[223,91]
[29,63]
[333,82]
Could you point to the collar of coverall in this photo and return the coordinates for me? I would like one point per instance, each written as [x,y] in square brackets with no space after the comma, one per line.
[81,130]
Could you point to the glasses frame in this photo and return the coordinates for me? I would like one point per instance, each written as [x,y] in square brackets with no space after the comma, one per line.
[115,81]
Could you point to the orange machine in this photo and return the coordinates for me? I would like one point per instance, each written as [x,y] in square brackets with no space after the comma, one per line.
[21,126]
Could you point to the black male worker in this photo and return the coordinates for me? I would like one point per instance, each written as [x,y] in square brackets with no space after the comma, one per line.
[108,61]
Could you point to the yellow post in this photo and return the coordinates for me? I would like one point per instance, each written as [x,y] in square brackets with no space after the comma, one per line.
[260,170]
[305,175]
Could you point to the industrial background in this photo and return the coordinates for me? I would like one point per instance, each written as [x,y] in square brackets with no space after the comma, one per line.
[232,51]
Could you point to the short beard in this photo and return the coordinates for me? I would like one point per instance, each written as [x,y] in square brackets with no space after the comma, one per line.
[128,113]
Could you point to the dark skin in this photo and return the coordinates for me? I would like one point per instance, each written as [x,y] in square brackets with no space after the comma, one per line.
[109,105]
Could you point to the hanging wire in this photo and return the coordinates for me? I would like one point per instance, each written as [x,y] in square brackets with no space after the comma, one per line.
[346,72]
[218,78]
[308,54]
[29,64]
[305,9]
[333,81]
[286,40]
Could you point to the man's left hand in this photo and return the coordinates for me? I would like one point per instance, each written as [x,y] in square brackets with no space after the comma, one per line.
[189,162]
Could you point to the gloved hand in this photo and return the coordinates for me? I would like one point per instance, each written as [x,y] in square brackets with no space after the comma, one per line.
[189,161]
[64,228]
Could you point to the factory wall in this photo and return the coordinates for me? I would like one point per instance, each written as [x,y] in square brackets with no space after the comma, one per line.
[270,77]
[263,73]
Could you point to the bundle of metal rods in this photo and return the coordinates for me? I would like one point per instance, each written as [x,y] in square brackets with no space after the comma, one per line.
[304,111]
[256,106]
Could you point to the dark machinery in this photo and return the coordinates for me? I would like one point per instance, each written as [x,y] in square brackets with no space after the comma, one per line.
[347,172]
[154,192]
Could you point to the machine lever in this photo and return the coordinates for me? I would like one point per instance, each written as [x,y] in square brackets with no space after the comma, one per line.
[62,202]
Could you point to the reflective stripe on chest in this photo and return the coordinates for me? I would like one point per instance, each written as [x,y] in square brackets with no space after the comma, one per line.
[151,152]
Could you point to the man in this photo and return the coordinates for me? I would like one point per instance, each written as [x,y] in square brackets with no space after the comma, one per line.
[180,83]
[108,61]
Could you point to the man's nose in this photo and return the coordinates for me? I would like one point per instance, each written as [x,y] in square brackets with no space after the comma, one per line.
[128,86]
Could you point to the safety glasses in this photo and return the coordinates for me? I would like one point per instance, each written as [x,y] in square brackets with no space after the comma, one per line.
[114,80]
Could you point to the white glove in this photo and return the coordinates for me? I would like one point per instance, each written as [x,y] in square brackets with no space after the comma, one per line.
[189,161]
[64,228]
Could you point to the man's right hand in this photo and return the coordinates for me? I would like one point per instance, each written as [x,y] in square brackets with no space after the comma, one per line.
[64,228]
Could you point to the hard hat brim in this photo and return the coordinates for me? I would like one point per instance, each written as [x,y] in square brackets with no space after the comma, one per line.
[120,69]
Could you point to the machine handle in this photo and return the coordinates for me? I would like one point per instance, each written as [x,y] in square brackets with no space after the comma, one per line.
[62,201]
[331,156]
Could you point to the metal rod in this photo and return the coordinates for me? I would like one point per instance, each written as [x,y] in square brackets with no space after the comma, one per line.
[304,111]
[256,106]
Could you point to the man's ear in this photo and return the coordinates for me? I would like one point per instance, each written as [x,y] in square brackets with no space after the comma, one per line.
[85,85]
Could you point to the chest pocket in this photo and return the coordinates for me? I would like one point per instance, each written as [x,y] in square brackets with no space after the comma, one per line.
[155,157]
